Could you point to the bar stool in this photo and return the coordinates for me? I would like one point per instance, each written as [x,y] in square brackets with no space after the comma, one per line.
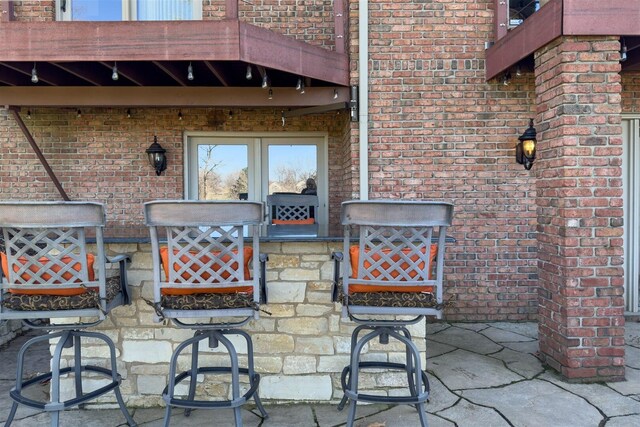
[210,275]
[394,270]
[48,273]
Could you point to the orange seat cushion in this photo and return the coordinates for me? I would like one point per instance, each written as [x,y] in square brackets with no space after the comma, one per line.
[164,257]
[294,221]
[45,276]
[354,257]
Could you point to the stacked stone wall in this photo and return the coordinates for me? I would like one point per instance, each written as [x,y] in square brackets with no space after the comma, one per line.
[300,348]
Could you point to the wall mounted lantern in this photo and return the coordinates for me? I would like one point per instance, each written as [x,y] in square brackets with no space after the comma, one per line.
[157,157]
[526,147]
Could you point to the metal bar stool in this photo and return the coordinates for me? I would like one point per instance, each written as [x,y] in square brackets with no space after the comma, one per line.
[212,276]
[396,269]
[47,273]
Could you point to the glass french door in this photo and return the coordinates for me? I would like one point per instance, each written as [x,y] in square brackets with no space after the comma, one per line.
[237,167]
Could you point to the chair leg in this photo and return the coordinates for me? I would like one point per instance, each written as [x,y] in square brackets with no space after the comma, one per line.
[354,371]
[412,368]
[194,375]
[55,419]
[67,339]
[237,400]
[422,413]
[77,367]
[20,370]
[252,372]
[167,416]
[114,373]
[345,372]
[55,378]
[12,414]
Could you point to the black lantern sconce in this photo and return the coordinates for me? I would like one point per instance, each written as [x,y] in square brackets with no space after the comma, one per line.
[157,157]
[526,147]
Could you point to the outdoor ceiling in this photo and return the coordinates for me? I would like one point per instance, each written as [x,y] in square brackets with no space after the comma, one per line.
[147,73]
[74,63]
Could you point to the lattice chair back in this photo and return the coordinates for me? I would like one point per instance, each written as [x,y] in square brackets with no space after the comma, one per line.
[206,269]
[397,265]
[46,258]
[291,209]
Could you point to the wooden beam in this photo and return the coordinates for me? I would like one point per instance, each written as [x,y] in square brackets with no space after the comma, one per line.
[536,31]
[217,72]
[271,50]
[15,112]
[119,41]
[231,9]
[601,18]
[500,18]
[172,72]
[6,11]
[340,30]
[11,77]
[80,72]
[118,96]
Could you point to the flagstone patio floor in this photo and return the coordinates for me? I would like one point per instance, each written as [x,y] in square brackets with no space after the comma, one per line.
[481,374]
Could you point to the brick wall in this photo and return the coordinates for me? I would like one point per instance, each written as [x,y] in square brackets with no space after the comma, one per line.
[630,92]
[34,10]
[101,154]
[439,131]
[580,211]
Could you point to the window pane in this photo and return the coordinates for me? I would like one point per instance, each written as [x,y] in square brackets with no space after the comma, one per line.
[94,10]
[290,166]
[222,172]
[165,10]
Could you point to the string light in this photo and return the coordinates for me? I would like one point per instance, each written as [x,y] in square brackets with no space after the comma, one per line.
[114,73]
[623,50]
[190,72]
[506,79]
[299,84]
[34,74]
[180,115]
[248,74]
[270,93]
[265,81]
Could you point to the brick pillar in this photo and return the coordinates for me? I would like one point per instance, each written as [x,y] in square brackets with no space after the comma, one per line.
[579,198]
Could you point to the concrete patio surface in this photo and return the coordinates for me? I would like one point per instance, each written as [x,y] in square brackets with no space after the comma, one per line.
[481,374]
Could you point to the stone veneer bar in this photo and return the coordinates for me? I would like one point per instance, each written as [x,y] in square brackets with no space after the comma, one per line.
[300,349]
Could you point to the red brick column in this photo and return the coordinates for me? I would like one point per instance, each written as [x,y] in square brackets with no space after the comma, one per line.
[579,198]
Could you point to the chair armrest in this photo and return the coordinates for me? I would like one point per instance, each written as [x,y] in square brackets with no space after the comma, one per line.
[122,260]
[337,259]
[118,258]
[263,278]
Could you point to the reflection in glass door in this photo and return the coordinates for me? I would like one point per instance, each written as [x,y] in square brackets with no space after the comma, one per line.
[290,166]
[223,172]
